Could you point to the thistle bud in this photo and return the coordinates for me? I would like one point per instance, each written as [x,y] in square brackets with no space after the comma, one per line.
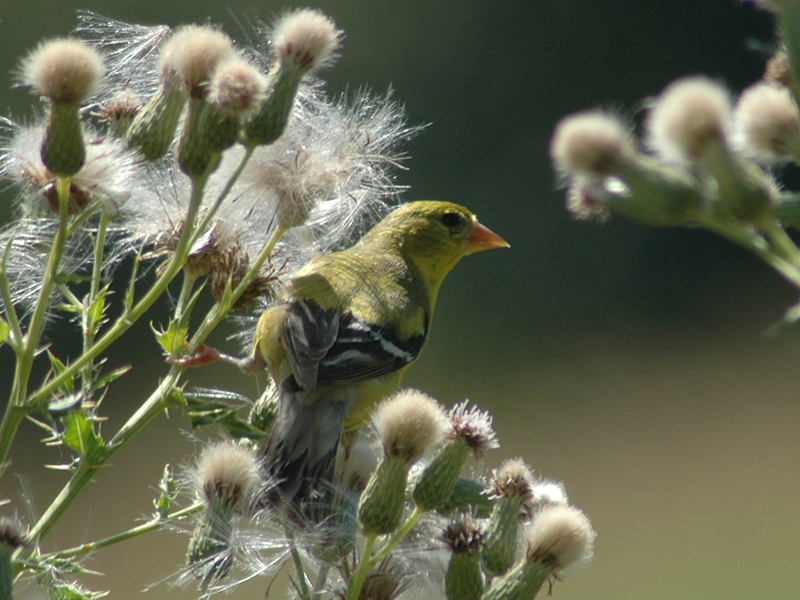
[262,416]
[66,71]
[119,112]
[469,495]
[691,121]
[304,40]
[464,578]
[235,90]
[408,424]
[767,123]
[512,486]
[154,126]
[227,479]
[787,15]
[689,117]
[470,432]
[593,146]
[559,538]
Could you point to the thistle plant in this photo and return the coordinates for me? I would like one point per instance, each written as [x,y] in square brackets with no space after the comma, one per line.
[704,159]
[206,168]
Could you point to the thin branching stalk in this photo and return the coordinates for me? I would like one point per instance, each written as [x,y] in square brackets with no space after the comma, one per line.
[362,569]
[90,327]
[124,322]
[152,525]
[14,413]
[396,538]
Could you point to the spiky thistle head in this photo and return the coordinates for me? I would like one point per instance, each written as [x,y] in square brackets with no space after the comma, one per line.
[474,426]
[513,480]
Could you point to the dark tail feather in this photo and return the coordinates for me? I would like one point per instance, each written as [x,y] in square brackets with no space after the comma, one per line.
[301,451]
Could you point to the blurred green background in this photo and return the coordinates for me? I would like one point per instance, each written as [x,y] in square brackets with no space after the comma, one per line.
[629,362]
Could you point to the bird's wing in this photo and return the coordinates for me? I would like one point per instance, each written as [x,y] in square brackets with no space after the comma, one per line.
[324,346]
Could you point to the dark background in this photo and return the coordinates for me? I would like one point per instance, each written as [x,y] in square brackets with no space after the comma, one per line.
[629,362]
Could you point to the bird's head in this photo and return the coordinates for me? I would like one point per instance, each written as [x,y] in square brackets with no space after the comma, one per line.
[433,235]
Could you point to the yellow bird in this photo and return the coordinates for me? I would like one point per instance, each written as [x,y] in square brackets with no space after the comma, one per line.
[349,325]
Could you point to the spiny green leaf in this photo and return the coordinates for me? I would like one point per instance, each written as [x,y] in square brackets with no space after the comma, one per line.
[97,309]
[3,330]
[79,435]
[173,339]
[202,413]
[68,385]
[168,492]
[106,379]
[128,300]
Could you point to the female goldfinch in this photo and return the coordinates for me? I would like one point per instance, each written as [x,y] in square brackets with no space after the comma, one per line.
[349,326]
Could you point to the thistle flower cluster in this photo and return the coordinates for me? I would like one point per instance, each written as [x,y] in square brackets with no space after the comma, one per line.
[704,158]
[224,168]
[402,508]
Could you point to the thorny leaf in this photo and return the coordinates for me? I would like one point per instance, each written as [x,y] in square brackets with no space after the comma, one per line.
[106,379]
[97,310]
[59,367]
[202,412]
[80,436]
[173,339]
[168,491]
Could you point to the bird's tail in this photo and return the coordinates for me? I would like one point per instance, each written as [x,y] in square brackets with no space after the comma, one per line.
[300,454]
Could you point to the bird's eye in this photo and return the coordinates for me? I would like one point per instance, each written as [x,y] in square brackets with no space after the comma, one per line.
[451,220]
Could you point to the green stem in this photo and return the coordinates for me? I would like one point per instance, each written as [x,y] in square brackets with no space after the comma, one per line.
[398,536]
[322,578]
[759,247]
[304,590]
[152,407]
[225,191]
[363,568]
[125,322]
[10,423]
[783,244]
[90,328]
[16,339]
[151,525]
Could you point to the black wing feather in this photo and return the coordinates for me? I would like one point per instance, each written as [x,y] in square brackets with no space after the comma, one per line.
[326,347]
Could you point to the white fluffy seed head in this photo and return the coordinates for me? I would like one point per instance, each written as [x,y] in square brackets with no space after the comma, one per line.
[355,469]
[560,537]
[689,116]
[766,122]
[592,143]
[227,471]
[193,52]
[66,70]
[409,423]
[549,492]
[237,87]
[306,39]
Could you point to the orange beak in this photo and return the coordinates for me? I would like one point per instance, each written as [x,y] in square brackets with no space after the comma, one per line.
[482,238]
